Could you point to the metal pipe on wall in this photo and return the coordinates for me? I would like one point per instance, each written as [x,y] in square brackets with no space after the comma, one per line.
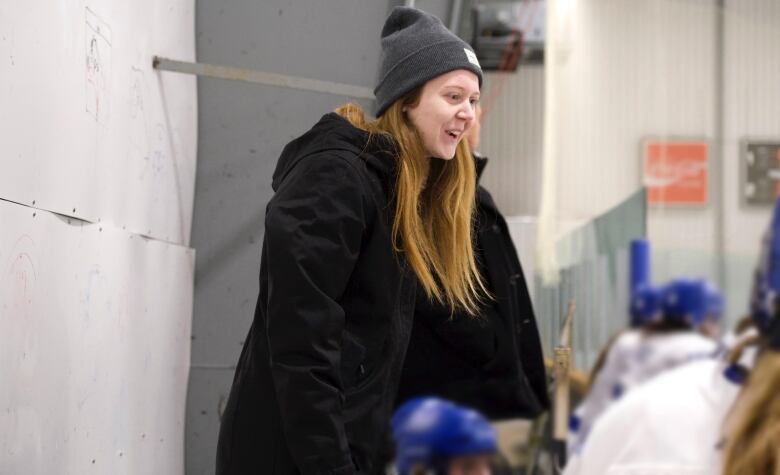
[457,6]
[716,181]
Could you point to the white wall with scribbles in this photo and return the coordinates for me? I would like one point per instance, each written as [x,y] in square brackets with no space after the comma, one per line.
[97,176]
[90,130]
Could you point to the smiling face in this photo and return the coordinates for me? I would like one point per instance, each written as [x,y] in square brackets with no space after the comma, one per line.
[445,111]
[471,465]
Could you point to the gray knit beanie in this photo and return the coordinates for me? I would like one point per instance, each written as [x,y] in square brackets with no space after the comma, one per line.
[417,47]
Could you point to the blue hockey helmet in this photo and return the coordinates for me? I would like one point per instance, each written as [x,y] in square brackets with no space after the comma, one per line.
[429,432]
[645,305]
[766,284]
[685,301]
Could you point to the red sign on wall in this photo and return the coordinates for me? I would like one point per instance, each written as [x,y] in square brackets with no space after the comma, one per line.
[675,173]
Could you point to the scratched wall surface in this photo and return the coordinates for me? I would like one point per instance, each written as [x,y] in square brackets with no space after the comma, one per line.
[89,128]
[93,359]
[97,175]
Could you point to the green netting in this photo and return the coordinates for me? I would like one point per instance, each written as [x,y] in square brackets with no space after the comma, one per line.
[594,273]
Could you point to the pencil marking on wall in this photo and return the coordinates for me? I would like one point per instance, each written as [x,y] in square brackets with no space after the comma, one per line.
[98,66]
[155,160]
[94,288]
[138,134]
[7,35]
[20,277]
[17,298]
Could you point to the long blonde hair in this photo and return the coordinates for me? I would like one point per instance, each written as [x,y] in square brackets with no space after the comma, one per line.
[434,203]
[753,440]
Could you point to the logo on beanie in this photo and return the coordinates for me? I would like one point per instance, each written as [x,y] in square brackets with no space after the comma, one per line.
[472,57]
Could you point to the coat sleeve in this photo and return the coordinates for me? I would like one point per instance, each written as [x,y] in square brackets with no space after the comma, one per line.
[313,233]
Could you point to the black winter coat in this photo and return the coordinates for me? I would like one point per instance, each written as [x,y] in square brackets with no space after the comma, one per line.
[495,363]
[315,384]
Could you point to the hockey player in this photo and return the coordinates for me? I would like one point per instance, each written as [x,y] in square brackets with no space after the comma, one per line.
[713,416]
[687,305]
[436,437]
[689,308]
[607,377]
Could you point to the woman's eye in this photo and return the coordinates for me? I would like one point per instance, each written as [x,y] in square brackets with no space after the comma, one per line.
[455,97]
[474,101]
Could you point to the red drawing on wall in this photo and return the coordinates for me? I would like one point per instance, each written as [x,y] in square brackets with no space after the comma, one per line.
[675,173]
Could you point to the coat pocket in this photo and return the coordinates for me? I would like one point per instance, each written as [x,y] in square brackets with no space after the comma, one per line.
[353,361]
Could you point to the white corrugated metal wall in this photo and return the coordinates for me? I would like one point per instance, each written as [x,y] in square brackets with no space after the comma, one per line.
[632,70]
[513,112]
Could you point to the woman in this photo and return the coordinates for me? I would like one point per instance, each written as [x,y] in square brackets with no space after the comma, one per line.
[753,439]
[364,215]
[494,363]
[752,443]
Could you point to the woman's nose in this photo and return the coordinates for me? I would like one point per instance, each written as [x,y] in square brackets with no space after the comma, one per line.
[467,112]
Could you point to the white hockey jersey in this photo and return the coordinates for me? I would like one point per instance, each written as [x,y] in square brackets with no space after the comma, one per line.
[670,425]
[633,359]
[660,352]
[603,388]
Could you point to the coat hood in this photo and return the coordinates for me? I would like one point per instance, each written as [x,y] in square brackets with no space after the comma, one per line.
[334,133]
[480,161]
